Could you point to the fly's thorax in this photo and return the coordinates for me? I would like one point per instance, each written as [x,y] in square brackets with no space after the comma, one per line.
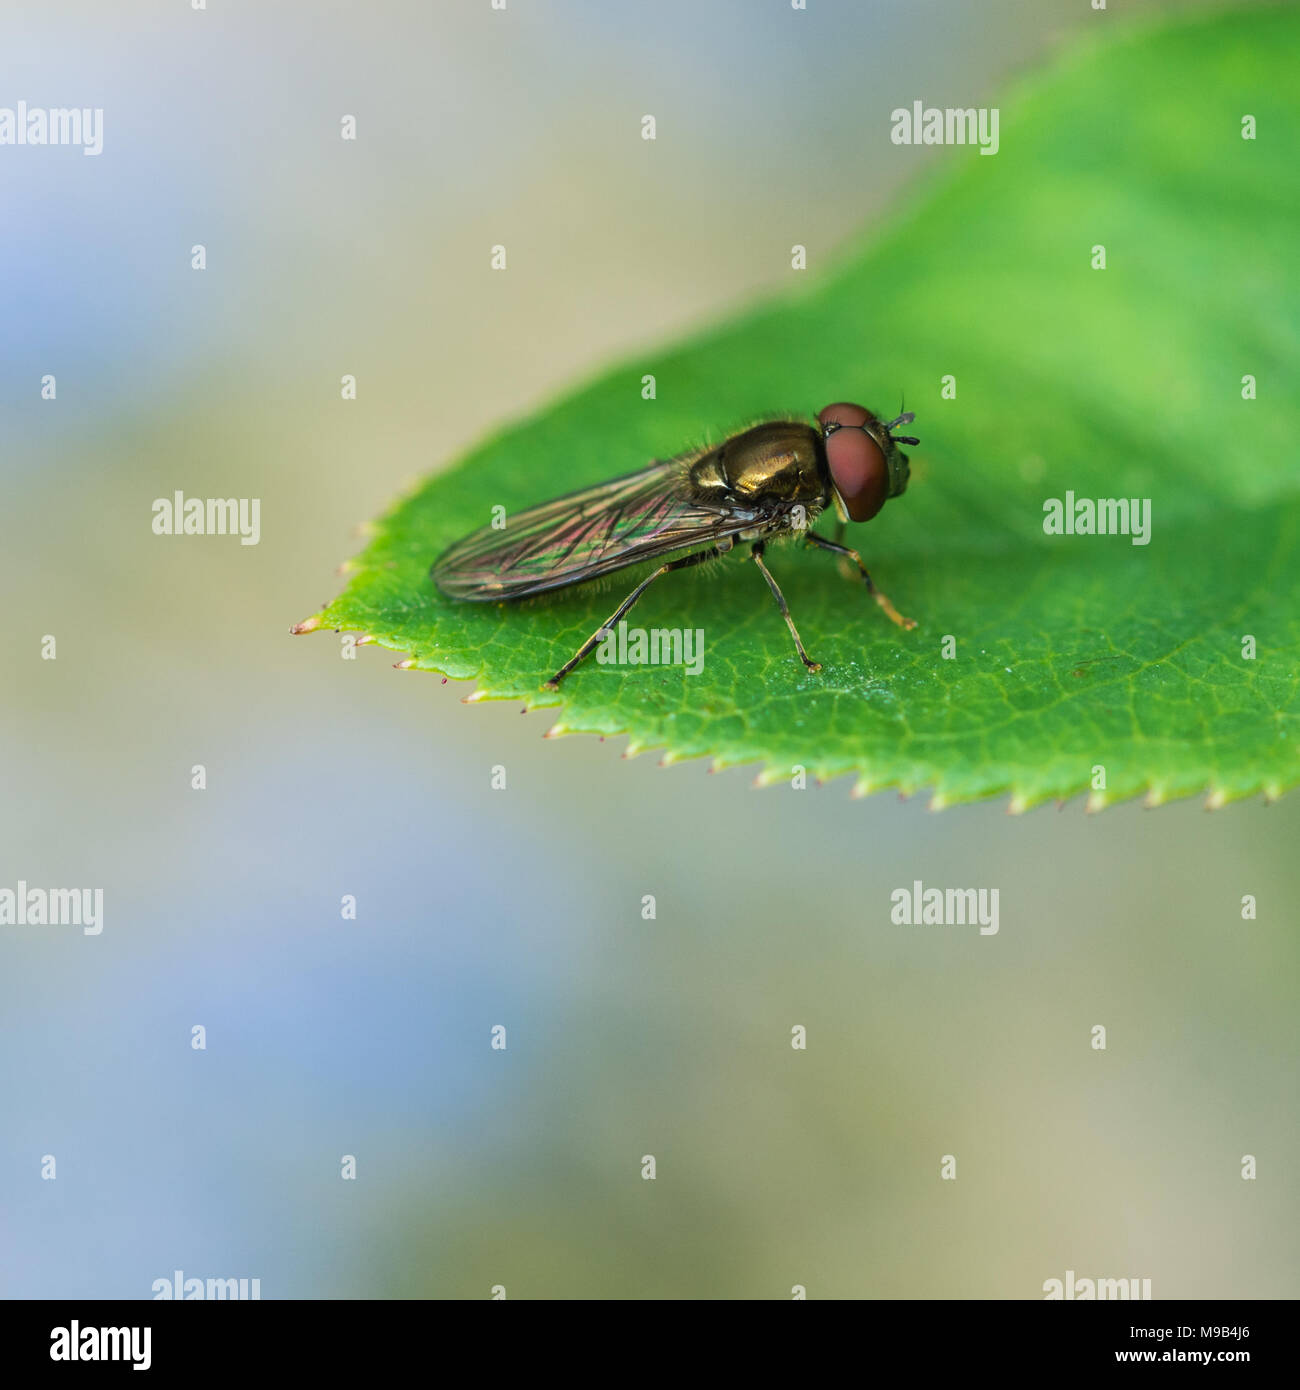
[783,461]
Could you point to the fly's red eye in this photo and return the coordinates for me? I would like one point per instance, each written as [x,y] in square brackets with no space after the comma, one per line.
[857,466]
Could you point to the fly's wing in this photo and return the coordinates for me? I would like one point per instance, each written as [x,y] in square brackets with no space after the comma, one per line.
[583,536]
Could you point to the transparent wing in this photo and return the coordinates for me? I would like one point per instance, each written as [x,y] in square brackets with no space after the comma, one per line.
[584,535]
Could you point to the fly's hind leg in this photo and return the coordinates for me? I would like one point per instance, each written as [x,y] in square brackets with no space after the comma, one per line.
[757,554]
[891,612]
[685,562]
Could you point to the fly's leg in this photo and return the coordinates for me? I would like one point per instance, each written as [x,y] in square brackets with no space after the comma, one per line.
[891,612]
[593,641]
[845,566]
[756,552]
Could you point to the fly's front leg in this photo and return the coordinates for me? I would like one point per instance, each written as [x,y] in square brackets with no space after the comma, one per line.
[594,640]
[891,612]
[756,552]
[844,565]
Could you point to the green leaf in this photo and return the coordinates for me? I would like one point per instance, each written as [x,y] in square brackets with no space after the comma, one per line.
[1072,652]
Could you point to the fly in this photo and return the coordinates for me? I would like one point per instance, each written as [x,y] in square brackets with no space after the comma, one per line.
[774,478]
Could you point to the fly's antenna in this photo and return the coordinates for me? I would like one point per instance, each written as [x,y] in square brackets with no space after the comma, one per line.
[905,419]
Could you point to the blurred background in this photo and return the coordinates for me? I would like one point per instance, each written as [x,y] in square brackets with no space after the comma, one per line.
[327,1037]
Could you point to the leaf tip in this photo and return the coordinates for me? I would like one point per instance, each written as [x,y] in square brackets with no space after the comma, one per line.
[307,625]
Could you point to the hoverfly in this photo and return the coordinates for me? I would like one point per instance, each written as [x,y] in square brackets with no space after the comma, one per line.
[775,477]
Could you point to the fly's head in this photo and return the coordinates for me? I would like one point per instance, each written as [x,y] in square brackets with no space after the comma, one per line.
[866,465]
